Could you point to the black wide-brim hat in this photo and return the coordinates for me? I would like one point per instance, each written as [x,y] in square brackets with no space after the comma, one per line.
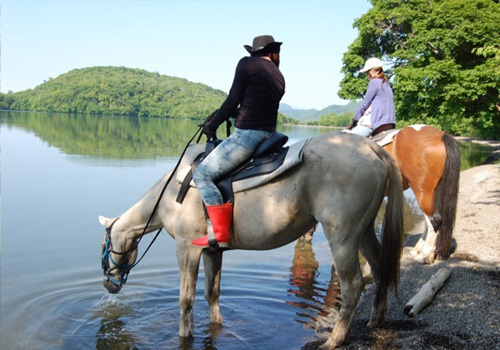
[261,42]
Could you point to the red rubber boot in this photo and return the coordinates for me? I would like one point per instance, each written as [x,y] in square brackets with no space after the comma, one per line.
[220,217]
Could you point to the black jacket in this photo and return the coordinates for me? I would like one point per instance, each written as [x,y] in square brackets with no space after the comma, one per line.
[257,89]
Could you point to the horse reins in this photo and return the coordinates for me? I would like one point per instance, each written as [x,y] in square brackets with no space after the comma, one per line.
[108,248]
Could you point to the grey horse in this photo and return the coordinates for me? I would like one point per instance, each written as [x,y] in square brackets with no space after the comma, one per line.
[340,183]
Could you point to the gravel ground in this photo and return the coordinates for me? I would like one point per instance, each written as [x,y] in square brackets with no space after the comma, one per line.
[465,313]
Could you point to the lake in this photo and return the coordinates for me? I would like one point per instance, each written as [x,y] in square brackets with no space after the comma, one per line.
[59,172]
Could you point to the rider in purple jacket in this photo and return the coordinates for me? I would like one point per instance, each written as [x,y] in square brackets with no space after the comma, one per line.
[377,111]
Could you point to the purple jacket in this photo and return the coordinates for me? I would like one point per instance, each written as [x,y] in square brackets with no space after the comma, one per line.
[379,95]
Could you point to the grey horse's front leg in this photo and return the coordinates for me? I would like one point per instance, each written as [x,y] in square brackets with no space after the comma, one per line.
[212,263]
[188,259]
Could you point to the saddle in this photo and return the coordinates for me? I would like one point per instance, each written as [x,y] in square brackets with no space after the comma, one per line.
[269,160]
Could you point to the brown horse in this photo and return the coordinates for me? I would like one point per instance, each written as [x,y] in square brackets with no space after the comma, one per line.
[429,160]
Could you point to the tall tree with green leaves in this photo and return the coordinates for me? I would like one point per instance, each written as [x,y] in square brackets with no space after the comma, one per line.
[442,58]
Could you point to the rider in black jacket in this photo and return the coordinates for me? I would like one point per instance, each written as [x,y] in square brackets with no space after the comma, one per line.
[253,101]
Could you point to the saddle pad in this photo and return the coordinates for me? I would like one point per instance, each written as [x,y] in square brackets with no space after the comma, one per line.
[293,157]
[385,137]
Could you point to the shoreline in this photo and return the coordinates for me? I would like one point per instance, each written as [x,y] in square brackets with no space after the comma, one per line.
[490,143]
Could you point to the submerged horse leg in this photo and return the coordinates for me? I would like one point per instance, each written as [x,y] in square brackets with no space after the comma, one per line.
[371,250]
[351,283]
[188,259]
[212,263]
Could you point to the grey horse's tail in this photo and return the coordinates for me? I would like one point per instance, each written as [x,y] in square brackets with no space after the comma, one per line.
[393,228]
[446,196]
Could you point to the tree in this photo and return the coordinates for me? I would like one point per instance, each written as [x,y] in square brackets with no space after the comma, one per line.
[442,59]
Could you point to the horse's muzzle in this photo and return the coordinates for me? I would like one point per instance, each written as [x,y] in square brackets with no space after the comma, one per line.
[110,286]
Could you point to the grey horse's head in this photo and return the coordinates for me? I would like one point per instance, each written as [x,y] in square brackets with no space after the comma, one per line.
[117,257]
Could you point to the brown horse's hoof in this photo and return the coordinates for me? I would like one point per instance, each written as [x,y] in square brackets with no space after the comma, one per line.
[329,345]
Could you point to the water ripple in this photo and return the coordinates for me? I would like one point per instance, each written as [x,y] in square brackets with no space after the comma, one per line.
[145,315]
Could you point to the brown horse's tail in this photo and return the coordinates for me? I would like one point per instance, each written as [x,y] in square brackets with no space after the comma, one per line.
[393,228]
[446,196]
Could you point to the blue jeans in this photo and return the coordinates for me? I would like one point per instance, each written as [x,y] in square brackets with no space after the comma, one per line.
[360,130]
[225,157]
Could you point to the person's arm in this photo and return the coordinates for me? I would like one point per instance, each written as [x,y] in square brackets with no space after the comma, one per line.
[370,94]
[230,106]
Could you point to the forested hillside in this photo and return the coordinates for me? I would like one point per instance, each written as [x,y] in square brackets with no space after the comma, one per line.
[118,91]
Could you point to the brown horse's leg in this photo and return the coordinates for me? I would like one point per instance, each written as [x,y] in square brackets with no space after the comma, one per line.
[424,251]
[212,263]
[188,259]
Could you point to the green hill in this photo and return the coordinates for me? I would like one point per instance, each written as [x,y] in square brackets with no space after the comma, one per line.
[118,91]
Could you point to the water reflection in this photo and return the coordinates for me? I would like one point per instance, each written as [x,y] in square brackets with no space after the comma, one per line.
[115,137]
[121,137]
[472,154]
[112,333]
[209,341]
[318,304]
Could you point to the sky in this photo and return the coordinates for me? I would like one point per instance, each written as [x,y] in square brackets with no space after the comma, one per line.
[199,40]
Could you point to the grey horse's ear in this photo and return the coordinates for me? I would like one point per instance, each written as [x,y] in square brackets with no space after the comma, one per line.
[104,221]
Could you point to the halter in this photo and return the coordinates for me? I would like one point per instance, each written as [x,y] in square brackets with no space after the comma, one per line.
[123,268]
[107,257]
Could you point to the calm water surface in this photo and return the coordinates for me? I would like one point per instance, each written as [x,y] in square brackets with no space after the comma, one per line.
[58,173]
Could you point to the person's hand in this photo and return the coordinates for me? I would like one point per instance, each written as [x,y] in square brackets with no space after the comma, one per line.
[208,129]
[352,125]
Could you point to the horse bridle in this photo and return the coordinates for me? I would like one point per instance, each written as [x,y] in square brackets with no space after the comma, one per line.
[125,268]
[107,250]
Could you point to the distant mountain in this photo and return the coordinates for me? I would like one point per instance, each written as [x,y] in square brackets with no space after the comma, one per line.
[300,114]
[307,115]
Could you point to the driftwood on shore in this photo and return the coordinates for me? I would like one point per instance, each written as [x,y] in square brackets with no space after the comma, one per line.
[426,294]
